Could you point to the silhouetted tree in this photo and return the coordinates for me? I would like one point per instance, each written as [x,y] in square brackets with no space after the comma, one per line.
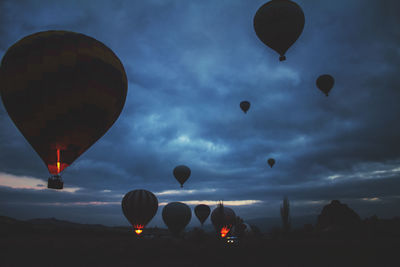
[285,215]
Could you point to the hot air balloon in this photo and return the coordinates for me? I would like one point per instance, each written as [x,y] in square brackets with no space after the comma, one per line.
[176,216]
[202,212]
[325,83]
[271,162]
[63,91]
[139,207]
[223,219]
[245,105]
[278,24]
[181,173]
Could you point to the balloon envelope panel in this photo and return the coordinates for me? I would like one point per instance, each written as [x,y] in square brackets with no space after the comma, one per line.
[245,105]
[63,90]
[278,24]
[181,173]
[223,217]
[202,212]
[176,216]
[139,207]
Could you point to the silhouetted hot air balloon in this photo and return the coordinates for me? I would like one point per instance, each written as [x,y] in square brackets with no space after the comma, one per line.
[176,216]
[202,212]
[278,24]
[271,162]
[139,207]
[325,83]
[181,173]
[223,219]
[63,90]
[245,105]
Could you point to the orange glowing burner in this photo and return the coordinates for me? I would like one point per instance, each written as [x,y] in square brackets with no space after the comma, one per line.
[224,231]
[138,229]
[55,181]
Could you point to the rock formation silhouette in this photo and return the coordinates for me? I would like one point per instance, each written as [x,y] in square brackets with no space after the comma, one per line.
[338,217]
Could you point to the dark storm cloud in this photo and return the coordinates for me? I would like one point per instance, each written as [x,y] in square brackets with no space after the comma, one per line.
[189,64]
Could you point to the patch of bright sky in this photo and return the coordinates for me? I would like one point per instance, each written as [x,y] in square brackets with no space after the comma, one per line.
[187,142]
[214,203]
[371,199]
[78,203]
[368,171]
[307,202]
[184,192]
[188,202]
[26,182]
[299,141]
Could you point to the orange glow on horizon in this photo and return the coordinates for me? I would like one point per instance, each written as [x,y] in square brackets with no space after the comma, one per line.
[138,229]
[224,231]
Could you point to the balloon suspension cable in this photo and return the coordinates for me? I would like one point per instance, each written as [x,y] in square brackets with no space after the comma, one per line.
[282,58]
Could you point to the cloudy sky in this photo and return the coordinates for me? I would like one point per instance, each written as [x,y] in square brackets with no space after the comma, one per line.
[189,64]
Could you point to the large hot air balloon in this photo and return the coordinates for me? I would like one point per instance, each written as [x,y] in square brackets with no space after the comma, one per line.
[181,173]
[278,24]
[325,83]
[245,105]
[223,219]
[139,207]
[271,162]
[63,90]
[202,212]
[176,216]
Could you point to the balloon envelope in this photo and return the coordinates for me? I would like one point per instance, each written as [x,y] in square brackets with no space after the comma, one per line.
[245,105]
[181,173]
[271,162]
[63,90]
[176,215]
[139,207]
[278,24]
[223,219]
[325,83]
[202,212]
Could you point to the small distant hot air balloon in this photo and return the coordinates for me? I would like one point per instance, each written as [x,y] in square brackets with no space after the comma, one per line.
[325,83]
[181,173]
[176,215]
[278,24]
[223,219]
[271,162]
[202,212]
[139,207]
[245,105]
[63,91]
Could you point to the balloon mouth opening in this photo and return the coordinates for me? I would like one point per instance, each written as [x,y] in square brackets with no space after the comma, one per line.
[282,58]
[138,229]
[224,231]
[58,166]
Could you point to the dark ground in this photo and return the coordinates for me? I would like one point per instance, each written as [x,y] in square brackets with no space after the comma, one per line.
[51,242]
[124,249]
